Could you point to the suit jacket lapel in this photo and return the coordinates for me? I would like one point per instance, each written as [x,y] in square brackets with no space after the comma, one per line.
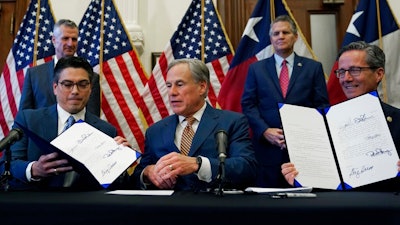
[270,64]
[51,121]
[168,134]
[205,129]
[297,70]
[50,72]
[90,119]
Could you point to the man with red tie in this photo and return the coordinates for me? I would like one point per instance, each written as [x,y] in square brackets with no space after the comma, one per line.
[284,77]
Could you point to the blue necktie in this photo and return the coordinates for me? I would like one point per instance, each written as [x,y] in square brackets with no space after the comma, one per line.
[72,175]
[70,122]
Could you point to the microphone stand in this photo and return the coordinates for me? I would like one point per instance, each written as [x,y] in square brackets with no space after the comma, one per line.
[6,176]
[221,179]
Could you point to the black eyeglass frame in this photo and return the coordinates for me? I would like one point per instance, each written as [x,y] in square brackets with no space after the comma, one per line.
[354,71]
[69,85]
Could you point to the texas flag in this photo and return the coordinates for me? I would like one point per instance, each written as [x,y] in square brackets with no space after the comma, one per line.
[374,23]
[255,45]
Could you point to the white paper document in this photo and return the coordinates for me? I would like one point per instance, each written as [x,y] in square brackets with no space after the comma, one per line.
[278,190]
[98,152]
[360,137]
[142,192]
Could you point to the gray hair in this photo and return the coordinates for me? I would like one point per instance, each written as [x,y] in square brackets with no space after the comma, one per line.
[63,22]
[375,56]
[198,69]
[284,18]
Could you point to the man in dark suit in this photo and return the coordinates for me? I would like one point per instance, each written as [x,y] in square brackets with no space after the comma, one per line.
[164,165]
[31,167]
[38,84]
[361,69]
[262,93]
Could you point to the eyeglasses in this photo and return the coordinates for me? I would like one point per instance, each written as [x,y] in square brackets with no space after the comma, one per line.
[67,85]
[354,71]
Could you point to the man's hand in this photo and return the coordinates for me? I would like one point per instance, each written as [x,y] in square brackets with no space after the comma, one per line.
[275,137]
[290,172]
[123,141]
[165,172]
[49,165]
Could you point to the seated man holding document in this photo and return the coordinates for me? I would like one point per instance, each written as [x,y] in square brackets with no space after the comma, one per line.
[361,67]
[32,165]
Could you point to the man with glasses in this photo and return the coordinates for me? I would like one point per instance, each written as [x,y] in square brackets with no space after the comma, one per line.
[361,69]
[31,167]
[37,89]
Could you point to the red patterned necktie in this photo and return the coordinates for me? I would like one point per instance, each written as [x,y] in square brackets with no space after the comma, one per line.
[187,136]
[284,78]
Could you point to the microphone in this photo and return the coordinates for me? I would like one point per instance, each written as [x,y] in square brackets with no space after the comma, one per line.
[222,143]
[14,135]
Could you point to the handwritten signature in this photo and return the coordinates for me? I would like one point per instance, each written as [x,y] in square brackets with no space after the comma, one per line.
[378,152]
[357,172]
[108,170]
[84,137]
[110,152]
[360,118]
[356,120]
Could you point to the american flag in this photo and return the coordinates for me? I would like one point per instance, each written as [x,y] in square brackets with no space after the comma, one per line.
[103,40]
[255,45]
[32,46]
[200,35]
[374,22]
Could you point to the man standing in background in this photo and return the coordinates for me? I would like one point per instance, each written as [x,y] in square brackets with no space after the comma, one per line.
[37,90]
[303,84]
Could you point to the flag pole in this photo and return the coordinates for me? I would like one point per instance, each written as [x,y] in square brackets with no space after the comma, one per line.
[272,14]
[37,23]
[272,9]
[202,31]
[101,41]
[378,15]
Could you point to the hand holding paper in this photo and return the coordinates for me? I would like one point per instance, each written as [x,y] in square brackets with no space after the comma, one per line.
[347,146]
[99,153]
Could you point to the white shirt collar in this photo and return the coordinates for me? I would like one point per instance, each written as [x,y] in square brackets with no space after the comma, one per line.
[63,115]
[197,115]
[55,59]
[289,59]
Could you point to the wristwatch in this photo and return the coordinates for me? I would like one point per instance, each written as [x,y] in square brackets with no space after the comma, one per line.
[198,161]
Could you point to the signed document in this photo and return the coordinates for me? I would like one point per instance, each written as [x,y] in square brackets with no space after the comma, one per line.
[98,152]
[346,146]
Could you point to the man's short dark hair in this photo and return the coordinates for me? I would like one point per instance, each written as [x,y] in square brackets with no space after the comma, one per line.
[74,62]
